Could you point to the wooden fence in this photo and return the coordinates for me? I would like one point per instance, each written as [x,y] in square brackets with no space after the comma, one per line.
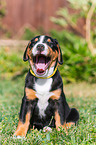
[31,13]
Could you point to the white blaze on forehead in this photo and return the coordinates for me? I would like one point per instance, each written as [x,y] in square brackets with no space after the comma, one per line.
[41,39]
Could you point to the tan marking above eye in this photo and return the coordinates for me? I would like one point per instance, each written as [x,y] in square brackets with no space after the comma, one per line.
[48,40]
[36,39]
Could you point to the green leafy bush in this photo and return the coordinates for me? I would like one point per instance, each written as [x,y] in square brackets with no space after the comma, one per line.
[84,10]
[79,64]
[11,63]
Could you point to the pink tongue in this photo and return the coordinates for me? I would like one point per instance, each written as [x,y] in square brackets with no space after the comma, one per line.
[41,64]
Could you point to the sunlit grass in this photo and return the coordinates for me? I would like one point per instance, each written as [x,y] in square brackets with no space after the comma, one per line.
[11,93]
[79,95]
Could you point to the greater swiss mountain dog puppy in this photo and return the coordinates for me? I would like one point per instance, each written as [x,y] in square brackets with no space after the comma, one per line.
[44,102]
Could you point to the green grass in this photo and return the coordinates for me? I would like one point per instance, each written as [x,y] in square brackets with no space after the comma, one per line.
[11,93]
[79,95]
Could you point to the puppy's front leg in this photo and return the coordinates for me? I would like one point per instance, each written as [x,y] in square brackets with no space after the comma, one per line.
[58,121]
[61,113]
[24,118]
[22,127]
[27,107]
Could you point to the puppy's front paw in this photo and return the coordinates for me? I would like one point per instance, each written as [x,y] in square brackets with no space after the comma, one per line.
[46,129]
[19,134]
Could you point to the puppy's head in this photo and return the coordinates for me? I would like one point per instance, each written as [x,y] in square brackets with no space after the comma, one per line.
[43,54]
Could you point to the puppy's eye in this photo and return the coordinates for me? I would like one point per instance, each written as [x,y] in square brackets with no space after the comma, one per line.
[49,42]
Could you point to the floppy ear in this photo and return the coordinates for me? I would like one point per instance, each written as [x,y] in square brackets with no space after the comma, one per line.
[60,58]
[25,56]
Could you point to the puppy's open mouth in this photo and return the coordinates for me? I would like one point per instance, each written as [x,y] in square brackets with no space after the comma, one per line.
[41,63]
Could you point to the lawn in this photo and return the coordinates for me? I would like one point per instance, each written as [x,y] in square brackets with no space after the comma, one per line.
[80,95]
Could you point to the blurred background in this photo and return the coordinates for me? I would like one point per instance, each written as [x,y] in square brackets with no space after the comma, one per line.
[71,22]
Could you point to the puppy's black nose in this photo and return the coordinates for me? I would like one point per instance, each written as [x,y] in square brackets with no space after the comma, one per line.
[40,47]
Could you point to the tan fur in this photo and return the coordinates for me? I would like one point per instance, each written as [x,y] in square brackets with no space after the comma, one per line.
[30,93]
[58,123]
[56,95]
[22,128]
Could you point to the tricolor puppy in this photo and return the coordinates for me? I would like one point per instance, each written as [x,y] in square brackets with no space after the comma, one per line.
[44,102]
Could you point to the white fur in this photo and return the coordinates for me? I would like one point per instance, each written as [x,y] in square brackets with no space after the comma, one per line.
[41,38]
[47,73]
[42,87]
[47,129]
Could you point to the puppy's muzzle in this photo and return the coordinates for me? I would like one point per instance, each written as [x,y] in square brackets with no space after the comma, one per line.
[40,47]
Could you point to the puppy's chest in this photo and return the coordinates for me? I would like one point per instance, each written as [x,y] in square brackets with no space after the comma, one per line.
[42,88]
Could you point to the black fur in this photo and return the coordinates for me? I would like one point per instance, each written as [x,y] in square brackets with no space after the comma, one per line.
[66,114]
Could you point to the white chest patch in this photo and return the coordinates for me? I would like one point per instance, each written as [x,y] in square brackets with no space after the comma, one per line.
[42,87]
